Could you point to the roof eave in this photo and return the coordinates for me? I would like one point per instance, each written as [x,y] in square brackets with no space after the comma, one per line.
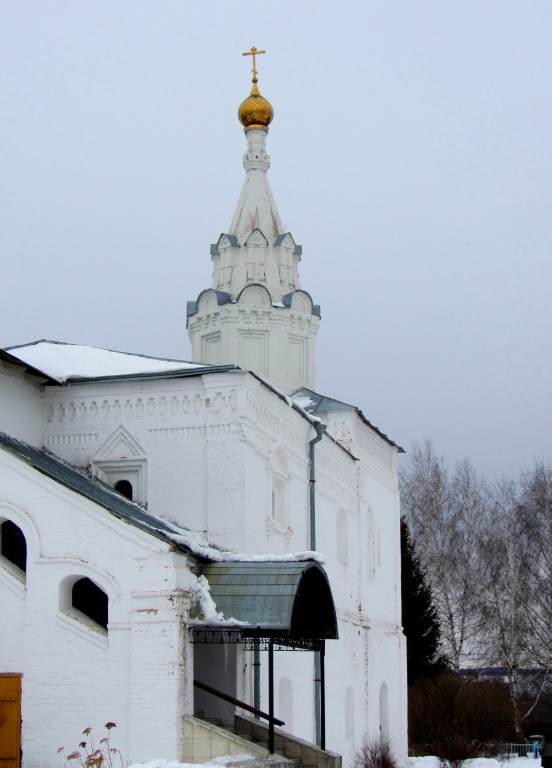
[31,370]
[302,412]
[178,374]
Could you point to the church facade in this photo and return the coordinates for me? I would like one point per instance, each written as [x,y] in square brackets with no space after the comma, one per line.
[129,484]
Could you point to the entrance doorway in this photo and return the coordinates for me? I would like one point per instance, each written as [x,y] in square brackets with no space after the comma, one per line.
[10,721]
[216,666]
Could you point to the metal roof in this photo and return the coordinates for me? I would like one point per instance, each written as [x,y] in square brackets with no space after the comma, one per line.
[122,366]
[13,360]
[272,598]
[291,599]
[322,404]
[89,487]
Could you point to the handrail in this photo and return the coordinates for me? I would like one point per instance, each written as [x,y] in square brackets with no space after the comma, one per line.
[237,702]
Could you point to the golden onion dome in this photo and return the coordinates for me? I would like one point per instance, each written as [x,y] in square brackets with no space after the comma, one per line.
[255,113]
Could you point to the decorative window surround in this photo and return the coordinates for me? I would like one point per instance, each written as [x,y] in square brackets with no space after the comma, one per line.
[68,612]
[122,458]
[278,481]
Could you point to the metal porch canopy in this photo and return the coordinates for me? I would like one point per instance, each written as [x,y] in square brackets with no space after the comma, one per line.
[283,600]
[280,606]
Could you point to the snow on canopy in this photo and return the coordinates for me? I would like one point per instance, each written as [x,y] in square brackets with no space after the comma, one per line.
[61,361]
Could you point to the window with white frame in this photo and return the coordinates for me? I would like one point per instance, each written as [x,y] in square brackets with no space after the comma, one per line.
[83,599]
[121,463]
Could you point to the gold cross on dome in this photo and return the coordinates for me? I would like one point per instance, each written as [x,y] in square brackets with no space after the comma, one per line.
[253,52]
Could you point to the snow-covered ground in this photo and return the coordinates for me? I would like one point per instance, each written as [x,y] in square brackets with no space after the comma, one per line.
[477,762]
[413,762]
[217,761]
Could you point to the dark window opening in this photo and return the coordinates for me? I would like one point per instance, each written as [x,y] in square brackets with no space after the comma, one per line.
[13,544]
[89,599]
[124,488]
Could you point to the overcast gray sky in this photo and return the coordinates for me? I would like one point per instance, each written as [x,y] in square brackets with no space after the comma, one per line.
[411,157]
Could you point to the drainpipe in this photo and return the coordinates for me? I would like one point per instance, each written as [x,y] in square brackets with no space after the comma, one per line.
[320,429]
[319,715]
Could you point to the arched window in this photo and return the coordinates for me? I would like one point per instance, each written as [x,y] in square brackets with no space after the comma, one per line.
[13,545]
[125,488]
[90,600]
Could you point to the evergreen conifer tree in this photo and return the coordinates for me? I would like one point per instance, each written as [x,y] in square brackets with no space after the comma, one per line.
[419,616]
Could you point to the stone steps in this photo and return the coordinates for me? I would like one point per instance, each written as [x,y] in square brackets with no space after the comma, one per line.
[205,740]
[302,753]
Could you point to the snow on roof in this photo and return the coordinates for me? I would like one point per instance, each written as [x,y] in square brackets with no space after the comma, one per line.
[304,402]
[62,362]
[312,402]
[81,482]
[198,545]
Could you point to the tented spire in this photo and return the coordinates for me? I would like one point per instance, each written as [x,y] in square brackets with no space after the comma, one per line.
[255,313]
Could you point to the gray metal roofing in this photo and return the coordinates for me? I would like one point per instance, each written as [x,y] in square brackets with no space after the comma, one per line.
[89,487]
[9,354]
[261,594]
[323,404]
[179,374]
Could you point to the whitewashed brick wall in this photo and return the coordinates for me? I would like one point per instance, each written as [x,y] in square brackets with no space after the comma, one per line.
[136,674]
[210,447]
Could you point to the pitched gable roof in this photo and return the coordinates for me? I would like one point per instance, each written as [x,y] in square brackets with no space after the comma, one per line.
[62,362]
[314,403]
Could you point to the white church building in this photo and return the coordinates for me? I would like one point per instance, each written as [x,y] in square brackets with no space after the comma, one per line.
[181,543]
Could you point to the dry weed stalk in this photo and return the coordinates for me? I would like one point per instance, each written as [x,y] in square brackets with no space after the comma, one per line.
[102,756]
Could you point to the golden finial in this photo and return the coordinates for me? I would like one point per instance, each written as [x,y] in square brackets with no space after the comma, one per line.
[255,112]
[253,52]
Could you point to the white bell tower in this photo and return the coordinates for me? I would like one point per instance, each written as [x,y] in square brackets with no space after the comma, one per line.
[255,314]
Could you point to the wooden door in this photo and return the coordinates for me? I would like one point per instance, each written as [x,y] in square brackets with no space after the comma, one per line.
[10,721]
